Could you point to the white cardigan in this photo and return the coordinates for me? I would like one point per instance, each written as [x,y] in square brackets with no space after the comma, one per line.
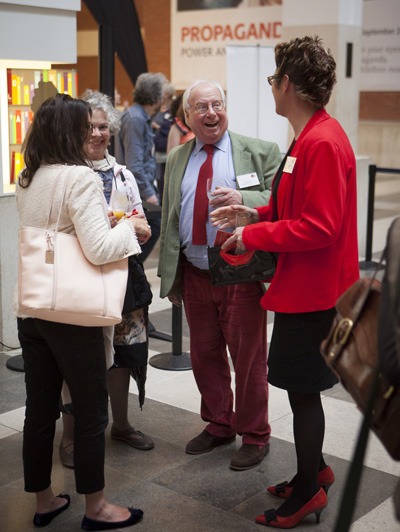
[84,212]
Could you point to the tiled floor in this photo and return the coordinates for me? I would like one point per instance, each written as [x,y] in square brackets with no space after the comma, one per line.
[183,493]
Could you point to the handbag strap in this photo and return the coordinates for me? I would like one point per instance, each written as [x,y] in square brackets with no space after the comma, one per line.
[53,191]
[349,497]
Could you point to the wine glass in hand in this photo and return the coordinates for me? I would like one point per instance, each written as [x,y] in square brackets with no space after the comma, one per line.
[209,188]
[118,204]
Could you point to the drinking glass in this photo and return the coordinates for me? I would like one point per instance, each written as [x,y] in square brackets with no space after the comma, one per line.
[241,220]
[210,188]
[118,204]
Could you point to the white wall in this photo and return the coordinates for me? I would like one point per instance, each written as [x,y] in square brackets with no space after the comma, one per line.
[251,106]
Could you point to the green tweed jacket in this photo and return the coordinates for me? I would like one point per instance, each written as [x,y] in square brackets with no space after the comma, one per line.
[249,155]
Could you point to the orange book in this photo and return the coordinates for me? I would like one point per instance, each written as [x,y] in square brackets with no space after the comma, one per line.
[18,127]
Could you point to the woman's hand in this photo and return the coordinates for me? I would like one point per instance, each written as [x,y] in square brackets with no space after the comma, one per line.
[112,218]
[142,228]
[226,216]
[235,239]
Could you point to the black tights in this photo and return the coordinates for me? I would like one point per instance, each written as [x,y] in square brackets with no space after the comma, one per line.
[308,431]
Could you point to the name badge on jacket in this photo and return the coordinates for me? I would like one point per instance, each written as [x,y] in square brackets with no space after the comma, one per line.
[247,180]
[289,165]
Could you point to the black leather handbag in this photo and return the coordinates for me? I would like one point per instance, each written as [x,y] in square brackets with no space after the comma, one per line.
[228,268]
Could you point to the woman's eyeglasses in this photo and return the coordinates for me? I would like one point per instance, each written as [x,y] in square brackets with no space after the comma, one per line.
[271,79]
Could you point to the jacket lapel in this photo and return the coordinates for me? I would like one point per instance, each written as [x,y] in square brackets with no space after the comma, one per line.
[241,157]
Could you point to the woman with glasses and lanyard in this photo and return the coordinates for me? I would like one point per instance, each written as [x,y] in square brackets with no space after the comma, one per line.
[130,338]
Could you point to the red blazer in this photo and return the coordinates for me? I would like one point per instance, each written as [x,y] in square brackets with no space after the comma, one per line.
[316,232]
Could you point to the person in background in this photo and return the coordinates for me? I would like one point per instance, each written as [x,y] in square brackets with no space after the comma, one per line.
[219,317]
[55,352]
[130,337]
[160,123]
[311,223]
[134,147]
[179,132]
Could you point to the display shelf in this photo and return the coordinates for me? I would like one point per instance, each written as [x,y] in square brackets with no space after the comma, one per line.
[27,89]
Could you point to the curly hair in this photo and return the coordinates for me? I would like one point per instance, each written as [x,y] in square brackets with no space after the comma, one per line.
[101,101]
[149,88]
[59,130]
[310,67]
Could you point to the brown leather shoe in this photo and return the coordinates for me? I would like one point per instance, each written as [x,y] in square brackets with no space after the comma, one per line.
[249,455]
[133,437]
[205,442]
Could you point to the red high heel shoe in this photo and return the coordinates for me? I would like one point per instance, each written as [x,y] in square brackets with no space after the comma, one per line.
[313,506]
[283,490]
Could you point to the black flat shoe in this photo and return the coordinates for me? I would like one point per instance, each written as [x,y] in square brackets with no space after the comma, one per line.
[93,524]
[41,520]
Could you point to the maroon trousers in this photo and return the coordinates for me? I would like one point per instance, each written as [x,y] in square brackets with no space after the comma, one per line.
[230,317]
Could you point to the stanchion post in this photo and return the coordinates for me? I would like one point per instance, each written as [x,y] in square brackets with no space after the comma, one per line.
[368,264]
[177,360]
[370,214]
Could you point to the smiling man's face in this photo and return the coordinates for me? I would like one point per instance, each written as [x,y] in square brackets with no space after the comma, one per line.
[210,126]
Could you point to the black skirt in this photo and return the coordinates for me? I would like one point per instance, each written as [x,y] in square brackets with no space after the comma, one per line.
[294,361]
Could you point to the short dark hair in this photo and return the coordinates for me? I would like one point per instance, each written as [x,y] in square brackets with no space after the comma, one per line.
[310,67]
[149,88]
[57,135]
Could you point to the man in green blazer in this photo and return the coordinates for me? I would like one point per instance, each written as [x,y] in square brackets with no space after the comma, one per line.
[219,317]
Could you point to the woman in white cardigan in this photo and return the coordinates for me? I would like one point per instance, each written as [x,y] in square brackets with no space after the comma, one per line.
[54,352]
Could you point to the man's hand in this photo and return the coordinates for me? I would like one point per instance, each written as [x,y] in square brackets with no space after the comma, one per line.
[152,199]
[226,216]
[175,300]
[225,196]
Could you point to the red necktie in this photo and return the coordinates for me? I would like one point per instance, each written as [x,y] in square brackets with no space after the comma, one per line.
[200,211]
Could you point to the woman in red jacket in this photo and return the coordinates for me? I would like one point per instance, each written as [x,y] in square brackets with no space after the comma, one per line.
[311,223]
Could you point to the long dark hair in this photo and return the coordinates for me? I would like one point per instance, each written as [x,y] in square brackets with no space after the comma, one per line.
[57,135]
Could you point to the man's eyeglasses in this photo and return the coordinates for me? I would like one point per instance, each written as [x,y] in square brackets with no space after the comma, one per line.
[202,107]
[271,79]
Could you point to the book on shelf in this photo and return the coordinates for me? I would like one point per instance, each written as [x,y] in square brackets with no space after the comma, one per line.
[17,164]
[21,84]
[18,127]
[19,122]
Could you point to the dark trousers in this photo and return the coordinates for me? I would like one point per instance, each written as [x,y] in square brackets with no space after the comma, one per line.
[154,220]
[53,352]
